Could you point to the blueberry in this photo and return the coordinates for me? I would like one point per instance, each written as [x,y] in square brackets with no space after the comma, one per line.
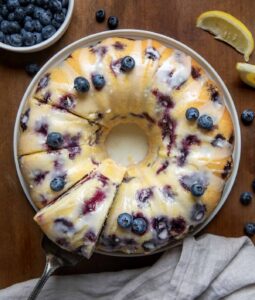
[1,37]
[65,3]
[32,69]
[249,229]
[192,113]
[63,225]
[139,226]
[55,140]
[197,190]
[14,27]
[125,220]
[4,11]
[161,226]
[45,18]
[7,39]
[23,31]
[198,212]
[19,13]
[100,16]
[48,31]
[5,26]
[57,184]
[37,12]
[12,4]
[55,6]
[38,37]
[30,9]
[205,122]
[55,24]
[59,17]
[127,63]
[28,38]
[16,40]
[64,11]
[112,22]
[245,198]
[37,26]
[27,18]
[29,26]
[98,81]
[143,195]
[1,18]
[81,84]
[247,116]
[11,16]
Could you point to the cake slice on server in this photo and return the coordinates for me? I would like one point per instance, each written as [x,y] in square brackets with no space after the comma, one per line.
[50,174]
[75,220]
[44,127]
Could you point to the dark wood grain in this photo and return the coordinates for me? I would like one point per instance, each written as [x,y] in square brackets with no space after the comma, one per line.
[21,257]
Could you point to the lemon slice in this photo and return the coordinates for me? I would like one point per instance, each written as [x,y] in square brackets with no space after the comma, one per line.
[247,73]
[228,29]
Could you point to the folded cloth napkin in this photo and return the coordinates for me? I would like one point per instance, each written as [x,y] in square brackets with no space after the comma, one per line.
[207,268]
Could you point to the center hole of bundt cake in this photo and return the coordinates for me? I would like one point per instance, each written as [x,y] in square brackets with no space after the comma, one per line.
[127,144]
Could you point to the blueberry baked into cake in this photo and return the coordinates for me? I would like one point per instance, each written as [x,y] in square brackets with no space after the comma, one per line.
[87,201]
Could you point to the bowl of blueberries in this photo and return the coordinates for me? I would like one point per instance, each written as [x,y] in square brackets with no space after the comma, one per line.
[33,25]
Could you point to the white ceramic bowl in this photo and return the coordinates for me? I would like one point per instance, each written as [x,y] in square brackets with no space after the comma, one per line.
[47,43]
[169,42]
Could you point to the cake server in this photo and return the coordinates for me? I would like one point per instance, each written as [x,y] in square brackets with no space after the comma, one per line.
[55,258]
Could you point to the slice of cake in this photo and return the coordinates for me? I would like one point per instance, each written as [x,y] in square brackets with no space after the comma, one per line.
[44,127]
[50,174]
[75,220]
[107,80]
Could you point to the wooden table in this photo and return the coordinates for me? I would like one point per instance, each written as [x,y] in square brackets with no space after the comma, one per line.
[21,257]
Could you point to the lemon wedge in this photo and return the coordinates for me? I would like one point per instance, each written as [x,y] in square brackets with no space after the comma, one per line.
[228,29]
[246,73]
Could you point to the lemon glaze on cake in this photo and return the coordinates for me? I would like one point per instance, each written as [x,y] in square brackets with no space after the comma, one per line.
[155,197]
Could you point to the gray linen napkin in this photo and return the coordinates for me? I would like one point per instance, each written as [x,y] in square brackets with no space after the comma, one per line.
[208,268]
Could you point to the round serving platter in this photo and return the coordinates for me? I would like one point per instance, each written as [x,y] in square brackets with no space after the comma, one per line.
[171,43]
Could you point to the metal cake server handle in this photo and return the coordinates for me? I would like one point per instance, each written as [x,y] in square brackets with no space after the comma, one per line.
[55,258]
[52,264]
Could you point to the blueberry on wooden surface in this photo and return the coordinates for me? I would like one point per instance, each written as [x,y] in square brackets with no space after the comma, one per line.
[113,22]
[100,16]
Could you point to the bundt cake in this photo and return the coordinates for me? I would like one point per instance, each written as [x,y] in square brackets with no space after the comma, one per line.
[87,200]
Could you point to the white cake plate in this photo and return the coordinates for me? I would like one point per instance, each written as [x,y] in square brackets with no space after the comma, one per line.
[169,42]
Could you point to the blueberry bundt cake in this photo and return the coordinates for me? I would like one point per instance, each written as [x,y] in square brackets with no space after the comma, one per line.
[87,200]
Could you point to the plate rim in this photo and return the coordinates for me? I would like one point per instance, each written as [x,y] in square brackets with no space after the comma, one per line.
[140,34]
